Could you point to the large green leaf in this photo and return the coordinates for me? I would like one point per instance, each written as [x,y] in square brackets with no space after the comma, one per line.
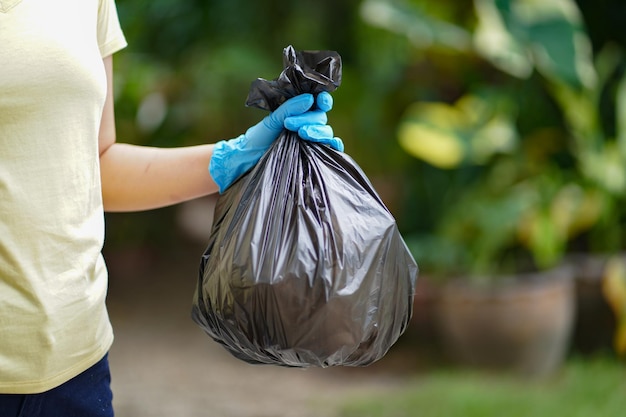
[496,43]
[421,29]
[470,131]
[546,35]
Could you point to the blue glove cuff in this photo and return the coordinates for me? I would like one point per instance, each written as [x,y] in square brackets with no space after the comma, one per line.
[230,160]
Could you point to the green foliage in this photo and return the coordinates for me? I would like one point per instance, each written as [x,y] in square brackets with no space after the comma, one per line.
[592,387]
[550,176]
[192,62]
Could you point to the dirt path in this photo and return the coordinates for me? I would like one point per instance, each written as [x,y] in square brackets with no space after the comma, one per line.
[163,365]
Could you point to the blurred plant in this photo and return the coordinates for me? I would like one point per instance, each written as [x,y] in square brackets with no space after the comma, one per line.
[614,288]
[549,172]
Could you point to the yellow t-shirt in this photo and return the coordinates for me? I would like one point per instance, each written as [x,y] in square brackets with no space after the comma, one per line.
[53,281]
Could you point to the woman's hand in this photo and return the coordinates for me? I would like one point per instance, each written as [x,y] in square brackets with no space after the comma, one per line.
[232,158]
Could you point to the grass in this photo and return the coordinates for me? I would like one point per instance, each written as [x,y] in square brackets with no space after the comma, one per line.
[585,387]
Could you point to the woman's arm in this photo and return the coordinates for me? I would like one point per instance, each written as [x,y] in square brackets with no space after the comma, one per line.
[140,178]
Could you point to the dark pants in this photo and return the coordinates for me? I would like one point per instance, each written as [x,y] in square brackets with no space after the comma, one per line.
[87,395]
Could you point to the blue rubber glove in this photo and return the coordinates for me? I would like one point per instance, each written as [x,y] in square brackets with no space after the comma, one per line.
[232,158]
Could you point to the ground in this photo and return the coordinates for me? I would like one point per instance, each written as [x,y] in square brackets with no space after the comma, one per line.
[164,365]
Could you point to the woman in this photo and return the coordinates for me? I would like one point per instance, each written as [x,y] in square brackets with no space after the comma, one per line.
[60,169]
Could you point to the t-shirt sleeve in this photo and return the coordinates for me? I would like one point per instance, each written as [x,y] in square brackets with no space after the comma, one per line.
[110,36]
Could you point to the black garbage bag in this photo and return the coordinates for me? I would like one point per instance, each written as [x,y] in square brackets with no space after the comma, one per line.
[305,265]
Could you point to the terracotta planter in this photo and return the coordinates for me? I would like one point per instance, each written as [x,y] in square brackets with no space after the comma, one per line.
[522,324]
